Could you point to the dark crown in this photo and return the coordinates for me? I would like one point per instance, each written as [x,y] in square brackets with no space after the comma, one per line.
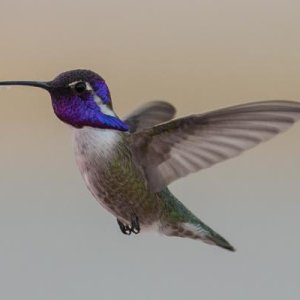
[68,77]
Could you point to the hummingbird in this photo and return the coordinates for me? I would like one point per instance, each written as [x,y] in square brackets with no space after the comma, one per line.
[128,164]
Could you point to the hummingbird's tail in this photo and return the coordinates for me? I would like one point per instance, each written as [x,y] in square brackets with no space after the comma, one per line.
[177,220]
[206,234]
[197,231]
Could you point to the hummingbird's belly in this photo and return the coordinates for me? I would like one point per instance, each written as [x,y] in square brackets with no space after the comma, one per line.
[124,195]
[113,178]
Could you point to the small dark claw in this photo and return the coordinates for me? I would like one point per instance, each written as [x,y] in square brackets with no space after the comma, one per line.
[135,225]
[124,228]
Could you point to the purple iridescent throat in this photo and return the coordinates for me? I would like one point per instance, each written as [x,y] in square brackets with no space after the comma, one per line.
[82,110]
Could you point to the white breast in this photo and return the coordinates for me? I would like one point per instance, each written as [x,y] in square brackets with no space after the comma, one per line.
[93,148]
[89,142]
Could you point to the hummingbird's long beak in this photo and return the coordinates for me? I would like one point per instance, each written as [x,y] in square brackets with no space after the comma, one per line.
[41,84]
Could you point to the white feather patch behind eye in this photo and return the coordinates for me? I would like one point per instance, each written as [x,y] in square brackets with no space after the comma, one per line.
[104,108]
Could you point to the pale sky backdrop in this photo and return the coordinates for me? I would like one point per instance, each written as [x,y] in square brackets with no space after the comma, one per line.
[56,241]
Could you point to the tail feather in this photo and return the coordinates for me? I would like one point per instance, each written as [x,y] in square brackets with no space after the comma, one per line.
[177,220]
[220,241]
[197,231]
[207,235]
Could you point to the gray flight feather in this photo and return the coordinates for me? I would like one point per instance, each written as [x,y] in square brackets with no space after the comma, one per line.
[174,149]
[149,115]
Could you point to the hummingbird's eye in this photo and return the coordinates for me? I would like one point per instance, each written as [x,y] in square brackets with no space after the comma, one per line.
[80,87]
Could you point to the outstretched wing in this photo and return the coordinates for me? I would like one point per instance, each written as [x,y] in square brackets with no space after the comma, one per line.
[182,146]
[149,115]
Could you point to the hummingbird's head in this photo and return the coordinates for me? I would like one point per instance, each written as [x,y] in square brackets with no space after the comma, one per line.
[80,98]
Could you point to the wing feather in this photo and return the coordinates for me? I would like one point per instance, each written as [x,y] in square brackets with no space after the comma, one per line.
[174,149]
[149,115]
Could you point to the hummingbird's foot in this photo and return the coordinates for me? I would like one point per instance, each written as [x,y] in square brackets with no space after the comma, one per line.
[124,228]
[134,227]
[135,224]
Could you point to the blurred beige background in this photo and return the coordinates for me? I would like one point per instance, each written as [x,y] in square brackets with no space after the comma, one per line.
[56,242]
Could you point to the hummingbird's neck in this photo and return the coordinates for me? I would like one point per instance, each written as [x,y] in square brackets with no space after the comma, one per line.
[92,145]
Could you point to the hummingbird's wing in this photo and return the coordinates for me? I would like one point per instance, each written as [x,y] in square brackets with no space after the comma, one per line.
[149,115]
[182,146]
